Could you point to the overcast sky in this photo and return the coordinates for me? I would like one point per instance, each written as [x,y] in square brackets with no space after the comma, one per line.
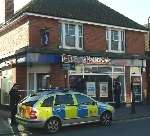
[137,10]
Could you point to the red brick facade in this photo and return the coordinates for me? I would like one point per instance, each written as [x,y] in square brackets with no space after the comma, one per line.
[94,38]
[36,24]
[21,76]
[14,37]
[59,78]
[135,42]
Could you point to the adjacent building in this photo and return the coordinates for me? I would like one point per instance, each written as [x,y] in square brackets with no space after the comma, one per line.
[79,44]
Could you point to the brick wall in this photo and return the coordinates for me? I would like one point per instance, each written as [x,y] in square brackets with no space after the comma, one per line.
[144,87]
[6,10]
[2,11]
[38,23]
[128,85]
[9,10]
[58,76]
[14,38]
[135,42]
[94,38]
[21,76]
[147,42]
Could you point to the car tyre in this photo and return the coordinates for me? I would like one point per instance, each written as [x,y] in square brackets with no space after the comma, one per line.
[106,118]
[53,125]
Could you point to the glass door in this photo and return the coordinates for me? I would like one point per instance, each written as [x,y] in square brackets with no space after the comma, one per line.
[136,86]
[43,81]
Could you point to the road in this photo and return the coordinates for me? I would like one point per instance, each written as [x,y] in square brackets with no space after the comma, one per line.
[138,127]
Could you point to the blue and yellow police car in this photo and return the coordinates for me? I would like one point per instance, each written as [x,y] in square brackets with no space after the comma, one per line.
[53,109]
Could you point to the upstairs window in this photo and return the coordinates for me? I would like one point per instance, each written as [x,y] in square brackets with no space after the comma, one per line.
[44,36]
[72,36]
[115,40]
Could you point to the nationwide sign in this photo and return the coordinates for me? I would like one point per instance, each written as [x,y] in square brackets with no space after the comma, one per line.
[85,59]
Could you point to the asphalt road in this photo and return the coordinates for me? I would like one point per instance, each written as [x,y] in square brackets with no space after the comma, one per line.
[138,127]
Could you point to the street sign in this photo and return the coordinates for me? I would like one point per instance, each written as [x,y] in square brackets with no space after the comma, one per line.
[68,66]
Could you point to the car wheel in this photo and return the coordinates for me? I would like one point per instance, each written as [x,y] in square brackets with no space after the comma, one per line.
[53,125]
[106,118]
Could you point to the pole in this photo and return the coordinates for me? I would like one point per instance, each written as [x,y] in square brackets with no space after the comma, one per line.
[148,70]
[149,31]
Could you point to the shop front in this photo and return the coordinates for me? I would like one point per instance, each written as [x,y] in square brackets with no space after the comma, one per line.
[32,71]
[95,76]
[97,81]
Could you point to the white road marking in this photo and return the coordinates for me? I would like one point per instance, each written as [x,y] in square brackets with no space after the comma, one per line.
[130,120]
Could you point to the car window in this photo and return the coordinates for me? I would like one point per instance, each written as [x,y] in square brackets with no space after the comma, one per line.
[32,98]
[48,102]
[64,99]
[82,99]
[29,103]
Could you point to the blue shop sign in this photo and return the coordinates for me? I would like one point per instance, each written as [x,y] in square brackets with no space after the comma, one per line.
[37,58]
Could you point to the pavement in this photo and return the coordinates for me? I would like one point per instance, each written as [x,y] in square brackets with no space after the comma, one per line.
[121,114]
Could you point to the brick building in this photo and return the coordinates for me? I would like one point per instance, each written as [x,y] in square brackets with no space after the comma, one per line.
[79,44]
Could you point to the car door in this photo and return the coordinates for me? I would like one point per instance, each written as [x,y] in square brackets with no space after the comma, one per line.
[87,108]
[64,107]
[45,108]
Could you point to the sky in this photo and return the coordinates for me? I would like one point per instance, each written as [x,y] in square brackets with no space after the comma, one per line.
[137,10]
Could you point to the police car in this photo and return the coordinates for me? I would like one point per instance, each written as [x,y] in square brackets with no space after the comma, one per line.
[55,108]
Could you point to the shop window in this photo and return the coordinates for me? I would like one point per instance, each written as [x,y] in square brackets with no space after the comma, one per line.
[118,69]
[96,69]
[6,84]
[104,69]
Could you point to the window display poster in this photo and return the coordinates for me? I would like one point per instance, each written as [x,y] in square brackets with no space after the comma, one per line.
[91,89]
[103,89]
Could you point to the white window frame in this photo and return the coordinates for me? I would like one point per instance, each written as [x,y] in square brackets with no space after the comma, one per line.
[120,40]
[77,36]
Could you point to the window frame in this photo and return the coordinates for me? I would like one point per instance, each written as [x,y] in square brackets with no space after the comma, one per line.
[77,35]
[121,40]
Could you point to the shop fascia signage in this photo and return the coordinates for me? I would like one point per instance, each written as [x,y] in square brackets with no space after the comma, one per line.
[85,59]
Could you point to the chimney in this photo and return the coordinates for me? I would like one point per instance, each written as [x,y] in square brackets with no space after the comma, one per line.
[6,10]
[9,9]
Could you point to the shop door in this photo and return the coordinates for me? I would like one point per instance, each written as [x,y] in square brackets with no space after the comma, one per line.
[136,86]
[43,81]
[120,79]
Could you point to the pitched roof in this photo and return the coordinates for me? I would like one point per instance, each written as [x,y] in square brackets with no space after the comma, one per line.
[86,10]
